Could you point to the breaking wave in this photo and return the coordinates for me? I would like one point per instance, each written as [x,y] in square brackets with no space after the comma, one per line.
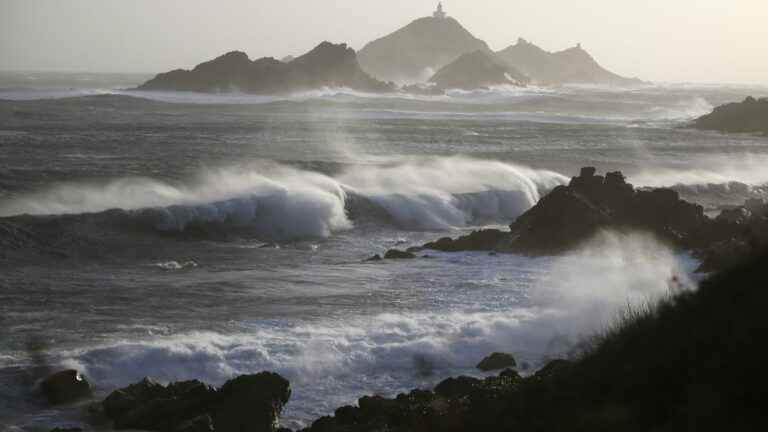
[280,202]
[331,362]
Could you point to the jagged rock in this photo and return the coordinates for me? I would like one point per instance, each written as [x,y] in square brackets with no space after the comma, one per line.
[497,361]
[481,240]
[327,65]
[749,116]
[248,402]
[251,403]
[457,387]
[65,386]
[398,254]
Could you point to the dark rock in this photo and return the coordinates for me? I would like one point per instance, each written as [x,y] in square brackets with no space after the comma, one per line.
[398,254]
[457,387]
[497,361]
[374,258]
[65,429]
[481,240]
[65,386]
[327,65]
[249,402]
[570,215]
[749,116]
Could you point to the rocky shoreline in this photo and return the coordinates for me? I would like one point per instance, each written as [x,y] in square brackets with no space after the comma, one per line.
[662,369]
[570,215]
[748,116]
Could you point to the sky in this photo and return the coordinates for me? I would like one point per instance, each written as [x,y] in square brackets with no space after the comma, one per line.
[658,40]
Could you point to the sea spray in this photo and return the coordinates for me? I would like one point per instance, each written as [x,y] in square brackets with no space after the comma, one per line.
[335,360]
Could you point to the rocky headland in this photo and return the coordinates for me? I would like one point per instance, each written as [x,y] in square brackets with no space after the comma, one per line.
[327,65]
[748,116]
[570,215]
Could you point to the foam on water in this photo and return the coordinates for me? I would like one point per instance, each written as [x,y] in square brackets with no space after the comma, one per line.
[289,203]
[336,360]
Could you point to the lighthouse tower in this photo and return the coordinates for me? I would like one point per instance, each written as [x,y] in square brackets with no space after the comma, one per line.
[439,13]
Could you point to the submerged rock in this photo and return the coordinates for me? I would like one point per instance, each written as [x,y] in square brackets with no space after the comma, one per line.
[497,361]
[65,386]
[248,402]
[398,254]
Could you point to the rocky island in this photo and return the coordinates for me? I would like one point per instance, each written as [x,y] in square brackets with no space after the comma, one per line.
[478,69]
[328,65]
[571,66]
[749,116]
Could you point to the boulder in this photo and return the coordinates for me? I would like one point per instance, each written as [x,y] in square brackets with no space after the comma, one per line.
[248,402]
[251,403]
[398,254]
[65,386]
[497,361]
[457,387]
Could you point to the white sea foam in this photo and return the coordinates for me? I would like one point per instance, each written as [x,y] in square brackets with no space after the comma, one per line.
[333,361]
[288,203]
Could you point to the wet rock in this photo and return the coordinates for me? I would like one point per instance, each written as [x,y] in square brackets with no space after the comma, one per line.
[497,361]
[65,386]
[251,403]
[374,258]
[482,240]
[457,387]
[72,429]
[248,402]
[398,254]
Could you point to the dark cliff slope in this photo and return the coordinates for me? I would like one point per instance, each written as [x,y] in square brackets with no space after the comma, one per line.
[328,65]
[692,362]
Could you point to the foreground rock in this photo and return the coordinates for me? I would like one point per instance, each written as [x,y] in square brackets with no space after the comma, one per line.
[477,70]
[328,65]
[497,361]
[693,362]
[749,116]
[65,386]
[570,215]
[247,403]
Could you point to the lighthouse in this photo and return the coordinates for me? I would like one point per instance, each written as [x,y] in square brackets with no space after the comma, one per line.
[439,13]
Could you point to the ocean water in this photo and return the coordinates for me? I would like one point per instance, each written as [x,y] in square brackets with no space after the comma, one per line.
[184,236]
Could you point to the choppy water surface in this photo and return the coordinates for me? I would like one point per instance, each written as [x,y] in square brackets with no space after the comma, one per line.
[203,236]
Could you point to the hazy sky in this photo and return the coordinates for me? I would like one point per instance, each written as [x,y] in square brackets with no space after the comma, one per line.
[661,40]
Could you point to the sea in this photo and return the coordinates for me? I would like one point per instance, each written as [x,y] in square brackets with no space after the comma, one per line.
[203,236]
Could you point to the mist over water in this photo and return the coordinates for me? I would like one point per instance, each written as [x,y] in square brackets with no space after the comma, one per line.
[189,236]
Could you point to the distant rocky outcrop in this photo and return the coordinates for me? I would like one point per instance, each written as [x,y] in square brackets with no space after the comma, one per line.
[478,69]
[750,116]
[572,214]
[416,51]
[573,65]
[328,65]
